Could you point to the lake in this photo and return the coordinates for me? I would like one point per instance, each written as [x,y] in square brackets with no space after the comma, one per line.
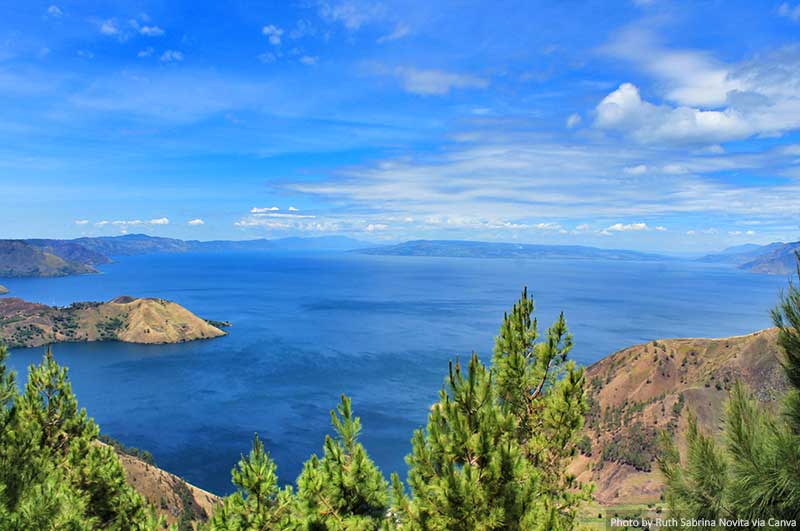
[307,328]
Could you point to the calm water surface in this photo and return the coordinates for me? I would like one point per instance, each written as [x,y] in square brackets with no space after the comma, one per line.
[381,329]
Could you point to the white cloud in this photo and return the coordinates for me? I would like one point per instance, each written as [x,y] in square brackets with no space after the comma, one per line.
[660,228]
[624,110]
[573,120]
[109,27]
[267,57]
[257,210]
[171,56]
[159,221]
[704,100]
[309,60]
[293,209]
[789,11]
[151,31]
[622,227]
[374,227]
[86,54]
[196,222]
[639,169]
[147,52]
[351,13]
[273,33]
[81,222]
[400,31]
[54,11]
[436,82]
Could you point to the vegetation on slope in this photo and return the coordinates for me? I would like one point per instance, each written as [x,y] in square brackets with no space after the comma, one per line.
[753,471]
[642,390]
[128,319]
[19,258]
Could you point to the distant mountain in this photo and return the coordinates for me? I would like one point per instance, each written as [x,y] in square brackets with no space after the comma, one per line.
[639,391]
[779,261]
[71,251]
[18,258]
[132,244]
[49,257]
[776,258]
[473,249]
[740,254]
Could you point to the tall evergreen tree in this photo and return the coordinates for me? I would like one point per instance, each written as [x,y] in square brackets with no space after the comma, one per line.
[258,504]
[493,455]
[53,474]
[755,472]
[344,490]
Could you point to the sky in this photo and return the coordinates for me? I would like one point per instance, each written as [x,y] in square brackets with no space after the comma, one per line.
[653,125]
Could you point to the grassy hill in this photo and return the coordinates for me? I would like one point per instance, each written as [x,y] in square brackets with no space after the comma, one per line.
[641,390]
[19,258]
[127,319]
[168,493]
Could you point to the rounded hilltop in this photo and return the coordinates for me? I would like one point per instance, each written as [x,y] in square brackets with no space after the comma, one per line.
[125,318]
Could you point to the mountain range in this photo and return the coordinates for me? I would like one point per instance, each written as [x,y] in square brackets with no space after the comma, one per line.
[52,257]
[475,249]
[776,258]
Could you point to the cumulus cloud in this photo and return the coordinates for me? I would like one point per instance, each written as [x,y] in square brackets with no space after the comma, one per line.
[159,221]
[151,31]
[293,209]
[639,169]
[171,56]
[273,34]
[625,110]
[622,227]
[196,222]
[374,227]
[54,11]
[109,27]
[436,82]
[257,210]
[309,60]
[704,100]
[147,52]
[81,222]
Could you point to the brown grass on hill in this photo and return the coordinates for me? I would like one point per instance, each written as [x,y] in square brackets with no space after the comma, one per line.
[642,390]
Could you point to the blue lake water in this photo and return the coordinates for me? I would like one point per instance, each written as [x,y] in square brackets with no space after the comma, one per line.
[381,329]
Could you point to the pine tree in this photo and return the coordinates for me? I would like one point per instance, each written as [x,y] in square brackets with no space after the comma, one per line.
[344,490]
[53,474]
[493,455]
[545,393]
[258,504]
[755,472]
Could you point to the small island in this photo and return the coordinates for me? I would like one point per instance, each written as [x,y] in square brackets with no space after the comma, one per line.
[126,319]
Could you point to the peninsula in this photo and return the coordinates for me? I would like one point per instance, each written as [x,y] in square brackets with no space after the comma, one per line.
[126,319]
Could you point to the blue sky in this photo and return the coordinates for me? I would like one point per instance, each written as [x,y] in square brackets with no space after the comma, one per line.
[658,125]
